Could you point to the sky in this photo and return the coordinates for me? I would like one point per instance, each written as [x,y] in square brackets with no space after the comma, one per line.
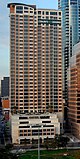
[5,29]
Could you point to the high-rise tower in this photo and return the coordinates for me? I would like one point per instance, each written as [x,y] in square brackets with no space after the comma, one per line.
[70,33]
[35,72]
[74,92]
[35,58]
[5,87]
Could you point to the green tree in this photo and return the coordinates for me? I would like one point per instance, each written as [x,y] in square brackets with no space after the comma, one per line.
[46,143]
[61,141]
[50,108]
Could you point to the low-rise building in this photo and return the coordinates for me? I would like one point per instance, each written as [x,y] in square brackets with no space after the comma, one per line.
[6,107]
[6,114]
[31,127]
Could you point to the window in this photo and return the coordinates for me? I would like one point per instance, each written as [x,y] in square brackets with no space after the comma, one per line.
[23,117]
[26,122]
[24,126]
[31,11]
[19,9]
[53,13]
[26,8]
[43,12]
[59,13]
[46,121]
[39,12]
[47,13]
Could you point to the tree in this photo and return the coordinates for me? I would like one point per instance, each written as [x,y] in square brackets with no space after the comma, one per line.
[61,141]
[6,154]
[14,109]
[25,141]
[49,143]
[46,143]
[50,108]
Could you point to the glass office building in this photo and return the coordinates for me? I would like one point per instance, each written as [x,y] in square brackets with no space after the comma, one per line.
[70,33]
[5,87]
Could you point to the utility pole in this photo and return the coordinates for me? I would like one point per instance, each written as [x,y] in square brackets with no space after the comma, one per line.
[38,144]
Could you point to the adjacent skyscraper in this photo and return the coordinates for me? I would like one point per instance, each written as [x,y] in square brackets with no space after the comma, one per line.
[5,87]
[74,92]
[70,33]
[35,59]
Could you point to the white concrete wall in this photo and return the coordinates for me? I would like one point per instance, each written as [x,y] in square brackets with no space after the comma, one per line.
[15,122]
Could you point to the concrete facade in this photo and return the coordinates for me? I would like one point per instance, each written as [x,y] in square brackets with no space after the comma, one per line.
[35,59]
[35,69]
[31,127]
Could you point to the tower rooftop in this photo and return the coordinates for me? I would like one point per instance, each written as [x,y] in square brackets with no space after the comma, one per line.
[33,6]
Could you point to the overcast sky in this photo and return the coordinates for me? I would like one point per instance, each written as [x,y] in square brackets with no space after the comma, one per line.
[4,28]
